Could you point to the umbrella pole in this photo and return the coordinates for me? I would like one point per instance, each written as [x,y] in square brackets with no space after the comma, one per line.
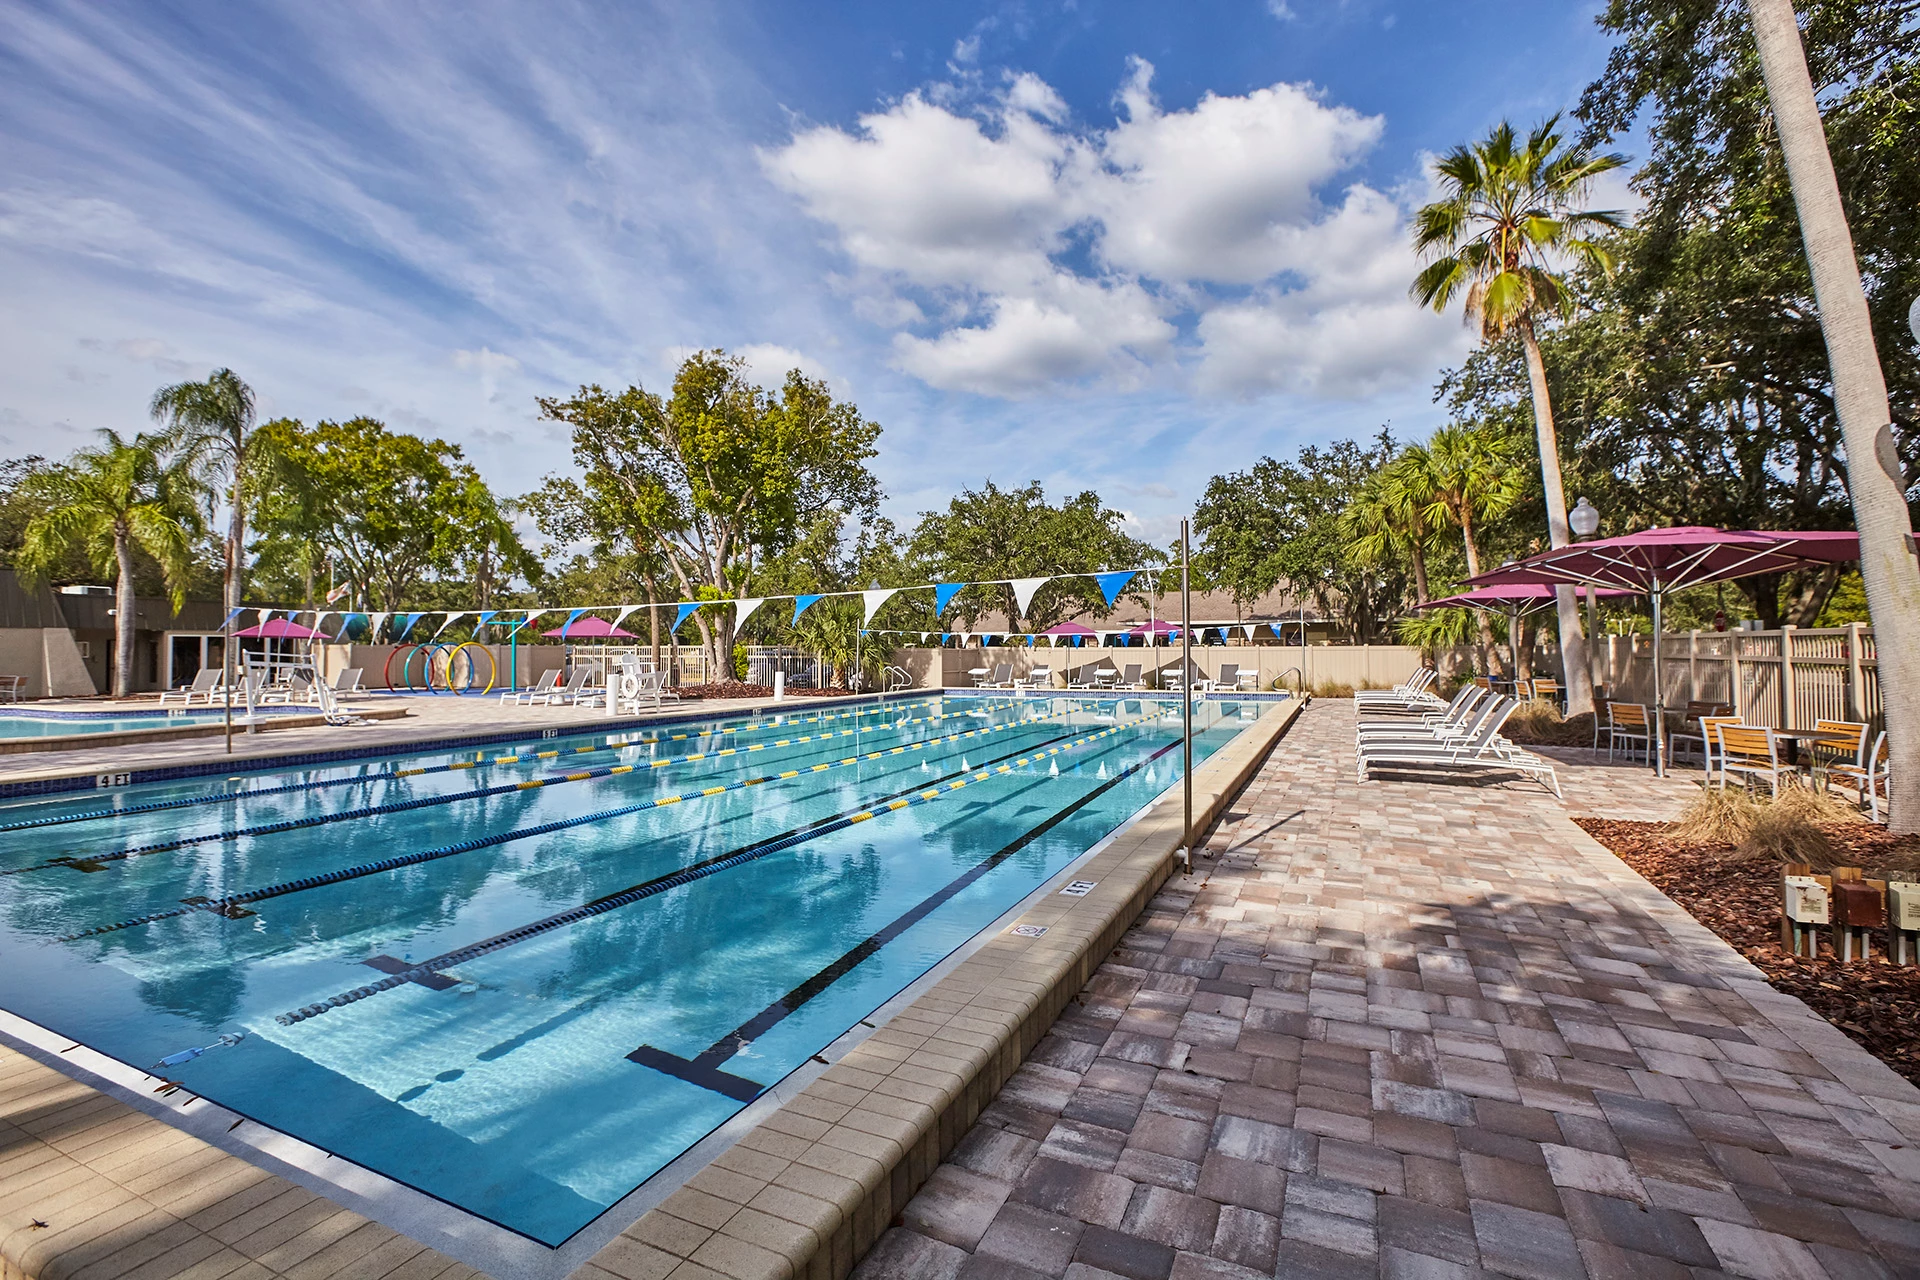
[1659,702]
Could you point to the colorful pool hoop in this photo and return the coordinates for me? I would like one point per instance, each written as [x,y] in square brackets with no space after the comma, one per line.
[473,669]
[386,672]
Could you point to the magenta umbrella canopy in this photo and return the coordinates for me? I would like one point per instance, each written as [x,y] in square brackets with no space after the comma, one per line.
[1069,629]
[1661,560]
[591,629]
[1158,627]
[278,629]
[1524,596]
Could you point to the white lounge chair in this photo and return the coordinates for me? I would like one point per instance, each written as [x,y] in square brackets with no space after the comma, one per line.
[1414,693]
[1041,677]
[347,683]
[572,691]
[539,689]
[202,688]
[1485,749]
[1460,716]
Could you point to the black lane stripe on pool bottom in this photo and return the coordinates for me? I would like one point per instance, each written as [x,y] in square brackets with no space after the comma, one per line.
[704,1070]
[97,862]
[520,755]
[919,794]
[226,906]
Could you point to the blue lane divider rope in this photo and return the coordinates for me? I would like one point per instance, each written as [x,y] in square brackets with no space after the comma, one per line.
[688,875]
[225,905]
[231,797]
[95,861]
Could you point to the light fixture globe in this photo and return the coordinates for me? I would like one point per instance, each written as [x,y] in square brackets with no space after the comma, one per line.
[1913,319]
[1584,519]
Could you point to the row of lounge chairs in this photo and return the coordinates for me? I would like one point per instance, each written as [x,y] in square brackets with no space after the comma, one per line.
[633,685]
[300,687]
[1417,731]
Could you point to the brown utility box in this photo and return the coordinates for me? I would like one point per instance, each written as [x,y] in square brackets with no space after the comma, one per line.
[1859,904]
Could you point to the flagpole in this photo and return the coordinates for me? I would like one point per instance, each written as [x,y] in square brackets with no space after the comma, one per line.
[1186,707]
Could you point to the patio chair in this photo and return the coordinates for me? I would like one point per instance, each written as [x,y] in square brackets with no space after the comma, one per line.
[535,691]
[1751,751]
[1601,702]
[1229,677]
[347,683]
[1485,749]
[1853,751]
[1870,778]
[1709,733]
[1415,690]
[1089,677]
[1697,713]
[1628,722]
[1546,689]
[204,683]
[11,687]
[1002,677]
[1041,677]
[1130,677]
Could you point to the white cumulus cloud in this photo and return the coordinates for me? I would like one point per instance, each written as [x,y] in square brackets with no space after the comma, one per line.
[1014,251]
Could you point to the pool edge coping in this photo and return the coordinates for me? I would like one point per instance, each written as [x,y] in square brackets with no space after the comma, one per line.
[809,1189]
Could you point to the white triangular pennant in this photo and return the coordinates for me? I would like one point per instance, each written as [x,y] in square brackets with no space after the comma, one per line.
[874,599]
[373,623]
[1023,589]
[620,617]
[1249,630]
[451,619]
[743,609]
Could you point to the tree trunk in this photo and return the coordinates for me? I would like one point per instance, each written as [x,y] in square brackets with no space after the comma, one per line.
[1489,647]
[123,614]
[1419,570]
[1874,475]
[1573,646]
[236,543]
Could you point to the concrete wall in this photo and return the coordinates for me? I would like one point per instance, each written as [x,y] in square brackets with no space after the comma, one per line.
[1357,665]
[49,659]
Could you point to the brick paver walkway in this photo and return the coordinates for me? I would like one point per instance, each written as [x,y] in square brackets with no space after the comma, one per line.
[1420,1030]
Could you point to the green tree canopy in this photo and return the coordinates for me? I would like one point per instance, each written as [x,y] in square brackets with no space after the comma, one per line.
[719,475]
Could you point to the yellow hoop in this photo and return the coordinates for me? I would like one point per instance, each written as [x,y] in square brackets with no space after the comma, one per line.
[493,668]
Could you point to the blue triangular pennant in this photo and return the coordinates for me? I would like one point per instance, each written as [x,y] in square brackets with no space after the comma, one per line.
[571,619]
[943,594]
[484,618]
[346,625]
[681,614]
[1112,584]
[801,604]
[407,626]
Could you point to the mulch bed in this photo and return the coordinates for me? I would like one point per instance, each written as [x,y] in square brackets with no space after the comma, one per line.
[736,689]
[1875,1003]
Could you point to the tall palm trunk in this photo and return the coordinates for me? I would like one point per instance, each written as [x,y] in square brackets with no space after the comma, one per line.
[1419,567]
[236,543]
[1573,645]
[1489,647]
[123,612]
[1874,477]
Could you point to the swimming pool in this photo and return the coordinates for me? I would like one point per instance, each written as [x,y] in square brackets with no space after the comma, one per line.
[524,981]
[60,724]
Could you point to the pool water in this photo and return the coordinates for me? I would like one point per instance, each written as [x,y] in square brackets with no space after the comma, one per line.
[60,726]
[526,979]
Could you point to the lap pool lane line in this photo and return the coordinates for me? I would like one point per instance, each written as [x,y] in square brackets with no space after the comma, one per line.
[704,1070]
[919,794]
[233,797]
[97,862]
[232,906]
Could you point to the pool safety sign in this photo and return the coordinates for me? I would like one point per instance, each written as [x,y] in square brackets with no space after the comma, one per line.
[1028,930]
[1078,889]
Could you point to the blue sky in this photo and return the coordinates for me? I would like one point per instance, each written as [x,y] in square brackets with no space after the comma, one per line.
[1118,246]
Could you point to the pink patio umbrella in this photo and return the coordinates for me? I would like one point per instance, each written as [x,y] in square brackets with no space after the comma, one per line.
[591,629]
[1654,562]
[1073,630]
[279,629]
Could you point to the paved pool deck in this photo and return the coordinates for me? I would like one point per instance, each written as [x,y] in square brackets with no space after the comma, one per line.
[1411,1029]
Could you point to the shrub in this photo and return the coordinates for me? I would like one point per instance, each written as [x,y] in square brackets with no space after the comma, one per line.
[1716,816]
[1795,826]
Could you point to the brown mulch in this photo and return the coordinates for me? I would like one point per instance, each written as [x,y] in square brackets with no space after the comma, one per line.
[1574,731]
[1875,1003]
[737,689]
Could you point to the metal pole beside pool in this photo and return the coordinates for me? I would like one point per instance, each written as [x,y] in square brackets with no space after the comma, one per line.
[1186,706]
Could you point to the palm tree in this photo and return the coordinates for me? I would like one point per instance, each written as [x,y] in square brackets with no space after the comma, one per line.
[1507,218]
[1388,520]
[1471,475]
[109,500]
[1874,476]
[211,426]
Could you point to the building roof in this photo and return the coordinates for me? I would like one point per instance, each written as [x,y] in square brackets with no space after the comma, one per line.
[41,606]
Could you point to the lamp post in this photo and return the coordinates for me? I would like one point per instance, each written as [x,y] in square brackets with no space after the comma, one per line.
[1584,520]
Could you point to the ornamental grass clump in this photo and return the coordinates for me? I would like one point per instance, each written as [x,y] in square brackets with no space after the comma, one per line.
[1795,826]
[1717,816]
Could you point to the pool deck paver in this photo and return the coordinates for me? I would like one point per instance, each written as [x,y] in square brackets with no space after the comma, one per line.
[1410,1029]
